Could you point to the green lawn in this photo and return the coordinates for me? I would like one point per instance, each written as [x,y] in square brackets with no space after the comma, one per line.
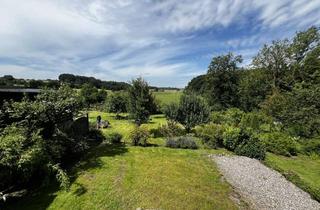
[302,170]
[168,97]
[126,177]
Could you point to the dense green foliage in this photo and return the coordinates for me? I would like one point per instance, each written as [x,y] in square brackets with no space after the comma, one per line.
[117,102]
[78,81]
[252,148]
[222,81]
[197,84]
[33,143]
[91,95]
[191,111]
[74,81]
[211,134]
[8,81]
[283,82]
[280,143]
[141,101]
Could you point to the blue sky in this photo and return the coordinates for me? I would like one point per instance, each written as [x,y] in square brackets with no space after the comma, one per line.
[167,42]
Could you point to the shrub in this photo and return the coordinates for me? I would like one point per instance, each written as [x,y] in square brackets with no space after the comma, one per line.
[114,138]
[171,129]
[252,148]
[139,136]
[257,122]
[297,110]
[311,146]
[191,111]
[24,156]
[231,137]
[171,111]
[279,143]
[117,102]
[211,134]
[231,116]
[183,142]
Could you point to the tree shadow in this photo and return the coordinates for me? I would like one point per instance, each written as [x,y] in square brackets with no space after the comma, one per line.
[92,158]
[43,197]
[80,189]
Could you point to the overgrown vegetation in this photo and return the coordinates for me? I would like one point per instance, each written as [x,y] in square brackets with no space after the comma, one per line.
[33,142]
[276,102]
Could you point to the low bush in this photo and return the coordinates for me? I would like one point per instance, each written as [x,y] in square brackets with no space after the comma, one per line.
[139,136]
[171,129]
[183,142]
[231,116]
[252,148]
[191,111]
[231,137]
[114,138]
[211,134]
[311,146]
[279,143]
[257,122]
[26,157]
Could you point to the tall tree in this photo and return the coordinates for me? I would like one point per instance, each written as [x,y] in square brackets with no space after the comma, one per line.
[141,101]
[254,86]
[274,58]
[222,81]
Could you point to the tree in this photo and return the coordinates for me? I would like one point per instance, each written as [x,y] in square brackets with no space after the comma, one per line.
[198,84]
[117,102]
[275,59]
[32,145]
[141,101]
[91,95]
[305,52]
[191,111]
[222,80]
[254,86]
[298,110]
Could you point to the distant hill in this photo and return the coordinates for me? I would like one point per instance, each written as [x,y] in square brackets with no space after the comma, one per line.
[78,81]
[75,81]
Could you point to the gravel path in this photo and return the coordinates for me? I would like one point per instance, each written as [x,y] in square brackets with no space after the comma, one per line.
[261,186]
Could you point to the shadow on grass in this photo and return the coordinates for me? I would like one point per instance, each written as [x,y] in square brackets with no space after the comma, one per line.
[92,159]
[42,198]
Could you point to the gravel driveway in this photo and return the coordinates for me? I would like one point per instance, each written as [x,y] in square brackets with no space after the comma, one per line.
[261,186]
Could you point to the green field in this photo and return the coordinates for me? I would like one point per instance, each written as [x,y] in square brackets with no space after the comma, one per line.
[302,170]
[168,97]
[126,177]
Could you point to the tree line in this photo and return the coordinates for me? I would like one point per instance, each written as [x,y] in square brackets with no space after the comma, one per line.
[282,80]
[74,81]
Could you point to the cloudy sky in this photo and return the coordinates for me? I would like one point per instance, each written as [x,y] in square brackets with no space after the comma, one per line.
[168,42]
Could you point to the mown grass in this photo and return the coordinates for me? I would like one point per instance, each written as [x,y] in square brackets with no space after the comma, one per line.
[168,97]
[126,177]
[302,170]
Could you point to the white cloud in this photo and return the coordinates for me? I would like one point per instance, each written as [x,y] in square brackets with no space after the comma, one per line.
[121,39]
